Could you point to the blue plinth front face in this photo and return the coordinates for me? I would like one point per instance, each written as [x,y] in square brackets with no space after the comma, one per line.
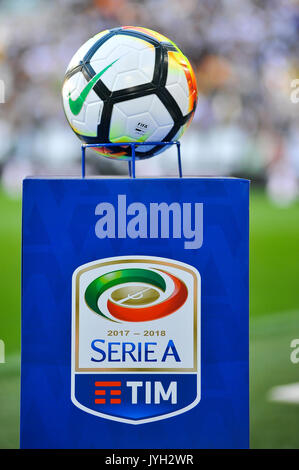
[135,313]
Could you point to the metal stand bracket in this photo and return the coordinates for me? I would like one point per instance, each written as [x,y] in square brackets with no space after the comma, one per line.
[132,159]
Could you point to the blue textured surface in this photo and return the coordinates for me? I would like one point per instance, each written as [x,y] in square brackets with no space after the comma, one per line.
[58,236]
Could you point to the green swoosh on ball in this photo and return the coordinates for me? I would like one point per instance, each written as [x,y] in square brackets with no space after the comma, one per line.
[77,104]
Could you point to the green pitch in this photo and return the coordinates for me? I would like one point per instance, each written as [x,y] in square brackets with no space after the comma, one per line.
[274,313]
[10,319]
[274,306]
[274,252]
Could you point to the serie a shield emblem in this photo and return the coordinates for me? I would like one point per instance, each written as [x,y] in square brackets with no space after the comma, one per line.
[136,338]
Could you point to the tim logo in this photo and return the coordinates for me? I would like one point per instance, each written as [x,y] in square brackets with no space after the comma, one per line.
[135,338]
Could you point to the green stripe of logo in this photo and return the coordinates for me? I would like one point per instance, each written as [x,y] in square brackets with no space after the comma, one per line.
[104,282]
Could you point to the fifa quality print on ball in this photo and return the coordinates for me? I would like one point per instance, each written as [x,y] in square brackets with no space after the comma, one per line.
[134,290]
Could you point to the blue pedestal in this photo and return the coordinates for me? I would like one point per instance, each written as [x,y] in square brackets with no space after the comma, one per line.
[135,313]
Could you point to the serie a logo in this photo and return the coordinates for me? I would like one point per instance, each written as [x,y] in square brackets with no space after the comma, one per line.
[136,338]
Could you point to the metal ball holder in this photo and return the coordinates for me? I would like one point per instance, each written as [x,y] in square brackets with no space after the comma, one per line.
[132,159]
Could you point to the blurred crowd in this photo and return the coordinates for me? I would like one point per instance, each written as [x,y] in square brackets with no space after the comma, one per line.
[245,55]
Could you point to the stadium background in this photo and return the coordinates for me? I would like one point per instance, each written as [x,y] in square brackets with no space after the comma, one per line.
[245,56]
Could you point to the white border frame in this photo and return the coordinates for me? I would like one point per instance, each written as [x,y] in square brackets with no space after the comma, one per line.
[198,372]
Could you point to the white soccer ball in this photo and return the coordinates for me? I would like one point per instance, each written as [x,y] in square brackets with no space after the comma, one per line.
[129,84]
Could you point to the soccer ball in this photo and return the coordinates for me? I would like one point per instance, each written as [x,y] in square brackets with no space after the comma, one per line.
[129,84]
